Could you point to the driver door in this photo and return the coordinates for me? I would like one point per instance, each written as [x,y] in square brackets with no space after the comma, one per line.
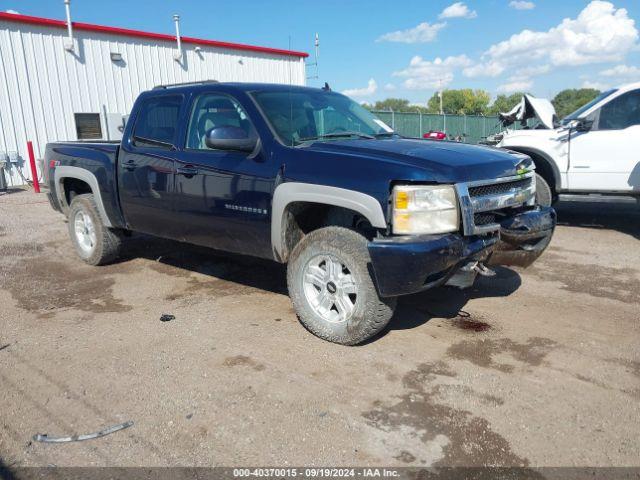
[223,197]
[607,157]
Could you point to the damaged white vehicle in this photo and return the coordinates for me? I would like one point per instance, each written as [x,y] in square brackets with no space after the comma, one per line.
[594,150]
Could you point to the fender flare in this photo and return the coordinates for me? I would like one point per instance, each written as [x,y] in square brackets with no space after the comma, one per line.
[290,192]
[86,176]
[547,158]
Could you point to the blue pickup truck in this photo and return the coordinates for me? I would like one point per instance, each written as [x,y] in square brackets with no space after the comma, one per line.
[307,177]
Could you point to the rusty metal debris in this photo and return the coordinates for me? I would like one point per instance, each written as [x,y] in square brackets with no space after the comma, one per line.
[43,437]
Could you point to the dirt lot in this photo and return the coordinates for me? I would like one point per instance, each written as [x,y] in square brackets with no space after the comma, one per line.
[537,367]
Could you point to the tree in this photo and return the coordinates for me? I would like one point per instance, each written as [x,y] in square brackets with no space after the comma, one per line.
[504,103]
[395,104]
[571,99]
[462,102]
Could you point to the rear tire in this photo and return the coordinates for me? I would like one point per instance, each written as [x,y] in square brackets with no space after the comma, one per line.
[95,244]
[332,290]
[544,194]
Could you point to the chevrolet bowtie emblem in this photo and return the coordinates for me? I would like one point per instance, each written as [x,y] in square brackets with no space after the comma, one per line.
[521,169]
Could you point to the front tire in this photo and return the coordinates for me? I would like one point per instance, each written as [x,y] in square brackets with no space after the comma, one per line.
[544,194]
[95,244]
[332,290]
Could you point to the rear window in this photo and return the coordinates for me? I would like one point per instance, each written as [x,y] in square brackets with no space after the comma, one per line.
[157,122]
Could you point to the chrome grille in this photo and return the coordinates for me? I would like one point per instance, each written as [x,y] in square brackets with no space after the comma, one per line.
[480,201]
[498,188]
[484,218]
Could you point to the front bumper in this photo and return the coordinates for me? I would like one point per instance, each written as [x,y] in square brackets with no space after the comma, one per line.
[524,237]
[409,264]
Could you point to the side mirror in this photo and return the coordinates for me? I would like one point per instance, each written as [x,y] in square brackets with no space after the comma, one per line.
[583,124]
[230,138]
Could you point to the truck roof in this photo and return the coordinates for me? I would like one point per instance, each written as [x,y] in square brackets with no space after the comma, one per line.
[230,86]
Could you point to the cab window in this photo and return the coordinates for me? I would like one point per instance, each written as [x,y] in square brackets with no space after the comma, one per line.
[621,112]
[157,122]
[215,110]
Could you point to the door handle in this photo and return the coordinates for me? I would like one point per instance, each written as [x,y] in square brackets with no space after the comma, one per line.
[130,166]
[187,171]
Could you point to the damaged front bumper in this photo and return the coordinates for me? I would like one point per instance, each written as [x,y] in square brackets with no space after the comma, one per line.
[410,264]
[524,237]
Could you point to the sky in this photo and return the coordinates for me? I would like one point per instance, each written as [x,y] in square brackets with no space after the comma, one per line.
[372,50]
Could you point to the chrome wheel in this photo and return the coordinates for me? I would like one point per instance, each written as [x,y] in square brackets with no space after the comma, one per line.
[330,288]
[85,232]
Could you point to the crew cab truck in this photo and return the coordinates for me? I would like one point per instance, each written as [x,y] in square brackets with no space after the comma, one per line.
[594,150]
[305,177]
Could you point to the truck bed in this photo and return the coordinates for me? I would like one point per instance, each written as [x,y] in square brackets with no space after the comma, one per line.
[97,157]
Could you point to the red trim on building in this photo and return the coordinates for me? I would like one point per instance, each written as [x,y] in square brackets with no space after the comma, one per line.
[13,17]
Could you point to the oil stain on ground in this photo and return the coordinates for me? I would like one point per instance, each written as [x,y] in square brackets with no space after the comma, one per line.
[465,439]
[471,323]
[42,285]
[20,249]
[620,284]
[482,352]
[243,361]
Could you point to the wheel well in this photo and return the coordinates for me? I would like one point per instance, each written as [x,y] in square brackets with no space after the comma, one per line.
[74,186]
[301,218]
[543,168]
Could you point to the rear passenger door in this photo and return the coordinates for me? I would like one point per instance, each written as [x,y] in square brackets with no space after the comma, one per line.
[146,165]
[223,197]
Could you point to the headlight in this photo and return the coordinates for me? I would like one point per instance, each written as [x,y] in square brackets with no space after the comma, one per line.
[424,209]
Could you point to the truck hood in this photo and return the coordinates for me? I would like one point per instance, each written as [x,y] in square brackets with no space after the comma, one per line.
[440,161]
[530,107]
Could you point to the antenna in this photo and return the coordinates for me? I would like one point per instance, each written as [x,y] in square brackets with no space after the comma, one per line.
[317,56]
[290,101]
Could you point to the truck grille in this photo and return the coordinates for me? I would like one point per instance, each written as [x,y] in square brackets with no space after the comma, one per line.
[484,218]
[481,202]
[498,188]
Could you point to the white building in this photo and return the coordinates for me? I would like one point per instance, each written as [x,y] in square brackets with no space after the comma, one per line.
[61,84]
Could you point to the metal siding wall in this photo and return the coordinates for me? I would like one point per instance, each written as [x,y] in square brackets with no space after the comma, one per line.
[42,85]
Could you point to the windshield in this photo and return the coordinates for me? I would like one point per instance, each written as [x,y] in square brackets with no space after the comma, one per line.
[302,116]
[584,108]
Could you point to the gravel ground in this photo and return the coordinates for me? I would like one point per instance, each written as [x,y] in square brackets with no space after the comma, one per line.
[537,367]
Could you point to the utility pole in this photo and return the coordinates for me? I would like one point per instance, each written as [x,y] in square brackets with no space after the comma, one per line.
[316,44]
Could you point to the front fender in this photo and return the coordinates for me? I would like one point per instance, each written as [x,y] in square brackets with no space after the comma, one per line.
[290,192]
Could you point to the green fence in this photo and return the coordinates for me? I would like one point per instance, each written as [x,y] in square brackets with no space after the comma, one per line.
[466,128]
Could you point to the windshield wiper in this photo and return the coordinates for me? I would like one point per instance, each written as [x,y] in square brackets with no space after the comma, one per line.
[338,135]
[347,134]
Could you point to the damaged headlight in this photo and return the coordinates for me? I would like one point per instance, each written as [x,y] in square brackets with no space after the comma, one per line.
[424,209]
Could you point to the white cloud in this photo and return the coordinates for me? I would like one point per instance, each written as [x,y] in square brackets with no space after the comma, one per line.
[600,33]
[522,5]
[390,87]
[621,71]
[15,12]
[596,85]
[423,33]
[367,91]
[458,10]
[532,71]
[518,86]
[426,74]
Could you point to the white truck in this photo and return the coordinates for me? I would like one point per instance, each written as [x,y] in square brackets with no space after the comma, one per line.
[594,150]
